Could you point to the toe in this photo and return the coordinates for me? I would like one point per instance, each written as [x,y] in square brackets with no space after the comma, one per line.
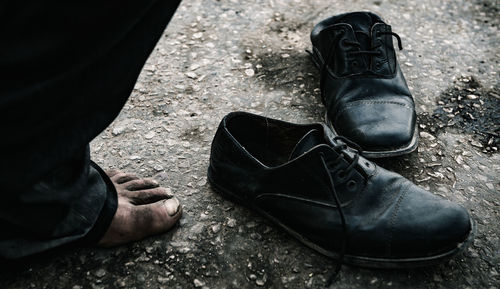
[149,196]
[140,184]
[121,178]
[112,172]
[157,217]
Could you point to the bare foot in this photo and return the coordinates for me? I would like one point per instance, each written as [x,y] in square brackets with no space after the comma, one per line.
[144,209]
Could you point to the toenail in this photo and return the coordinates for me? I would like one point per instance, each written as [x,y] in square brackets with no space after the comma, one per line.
[172,206]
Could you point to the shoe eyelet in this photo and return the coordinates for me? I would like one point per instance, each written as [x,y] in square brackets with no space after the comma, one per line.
[377,65]
[354,63]
[367,164]
[341,174]
[351,185]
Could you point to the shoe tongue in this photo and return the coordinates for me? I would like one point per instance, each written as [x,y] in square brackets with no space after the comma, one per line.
[361,24]
[308,141]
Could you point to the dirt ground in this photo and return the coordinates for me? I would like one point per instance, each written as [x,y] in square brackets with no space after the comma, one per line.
[219,56]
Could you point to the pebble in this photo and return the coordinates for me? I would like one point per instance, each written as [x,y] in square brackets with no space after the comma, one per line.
[150,135]
[216,228]
[118,130]
[427,135]
[100,273]
[231,223]
[251,224]
[477,144]
[198,35]
[249,72]
[198,283]
[191,75]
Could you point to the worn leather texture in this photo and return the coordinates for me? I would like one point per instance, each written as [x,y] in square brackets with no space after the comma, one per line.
[366,95]
[275,167]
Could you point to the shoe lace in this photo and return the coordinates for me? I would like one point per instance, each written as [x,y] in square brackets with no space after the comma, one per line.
[373,51]
[341,148]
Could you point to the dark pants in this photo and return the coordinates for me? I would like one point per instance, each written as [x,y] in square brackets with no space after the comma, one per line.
[66,70]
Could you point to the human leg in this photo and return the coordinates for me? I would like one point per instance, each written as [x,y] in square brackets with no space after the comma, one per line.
[65,82]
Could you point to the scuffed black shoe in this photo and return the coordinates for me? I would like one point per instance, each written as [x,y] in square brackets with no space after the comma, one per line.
[364,91]
[331,198]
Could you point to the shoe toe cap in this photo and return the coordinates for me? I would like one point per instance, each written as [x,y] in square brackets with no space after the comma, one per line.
[423,224]
[377,126]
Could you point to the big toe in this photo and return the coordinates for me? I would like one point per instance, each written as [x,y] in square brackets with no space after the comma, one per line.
[157,217]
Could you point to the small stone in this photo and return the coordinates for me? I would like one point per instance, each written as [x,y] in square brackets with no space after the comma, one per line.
[198,283]
[162,280]
[249,72]
[260,282]
[191,75]
[427,135]
[471,96]
[184,250]
[117,130]
[149,135]
[285,55]
[252,277]
[231,223]
[216,228]
[158,168]
[251,224]
[100,273]
[476,144]
[198,35]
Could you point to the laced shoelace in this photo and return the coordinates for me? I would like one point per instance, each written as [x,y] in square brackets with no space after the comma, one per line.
[373,51]
[341,149]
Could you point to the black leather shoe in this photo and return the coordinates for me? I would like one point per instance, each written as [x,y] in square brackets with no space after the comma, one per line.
[364,91]
[331,198]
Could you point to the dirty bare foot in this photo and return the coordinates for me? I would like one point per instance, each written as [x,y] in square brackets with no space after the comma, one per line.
[144,209]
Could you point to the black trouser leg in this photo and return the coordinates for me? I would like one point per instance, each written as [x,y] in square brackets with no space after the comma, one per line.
[67,69]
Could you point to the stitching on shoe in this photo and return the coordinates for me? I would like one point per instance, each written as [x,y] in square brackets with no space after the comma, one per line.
[284,196]
[393,218]
[369,102]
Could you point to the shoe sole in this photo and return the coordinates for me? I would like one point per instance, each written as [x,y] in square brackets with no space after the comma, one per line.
[412,146]
[368,262]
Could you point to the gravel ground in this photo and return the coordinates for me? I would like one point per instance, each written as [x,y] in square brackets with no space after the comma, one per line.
[226,55]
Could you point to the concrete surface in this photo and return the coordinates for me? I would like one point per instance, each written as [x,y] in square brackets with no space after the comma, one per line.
[219,56]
